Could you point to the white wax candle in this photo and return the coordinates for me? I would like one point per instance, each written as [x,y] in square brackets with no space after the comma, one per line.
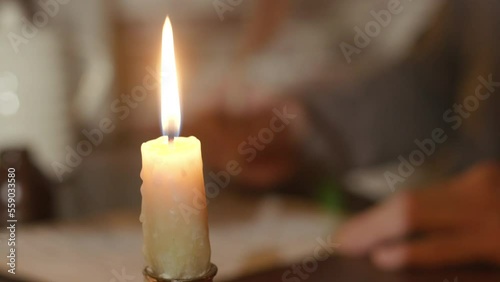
[174,215]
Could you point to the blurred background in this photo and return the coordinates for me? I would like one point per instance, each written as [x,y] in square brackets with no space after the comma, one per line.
[68,65]
[315,100]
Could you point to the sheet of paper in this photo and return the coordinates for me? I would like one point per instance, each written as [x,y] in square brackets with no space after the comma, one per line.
[248,234]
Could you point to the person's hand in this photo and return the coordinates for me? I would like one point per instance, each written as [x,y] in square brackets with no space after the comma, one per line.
[452,223]
[266,157]
[259,137]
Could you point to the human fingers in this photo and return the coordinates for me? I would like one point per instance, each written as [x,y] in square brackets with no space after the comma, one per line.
[430,209]
[429,251]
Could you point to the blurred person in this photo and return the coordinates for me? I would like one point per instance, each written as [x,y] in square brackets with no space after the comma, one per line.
[384,95]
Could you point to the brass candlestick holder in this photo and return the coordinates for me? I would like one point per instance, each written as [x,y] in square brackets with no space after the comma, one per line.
[150,277]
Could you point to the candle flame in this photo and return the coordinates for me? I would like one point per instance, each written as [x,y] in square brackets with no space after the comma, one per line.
[170,103]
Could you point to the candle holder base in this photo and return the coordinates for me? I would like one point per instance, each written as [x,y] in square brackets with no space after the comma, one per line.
[208,277]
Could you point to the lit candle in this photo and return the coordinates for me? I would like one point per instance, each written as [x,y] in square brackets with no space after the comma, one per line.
[174,215]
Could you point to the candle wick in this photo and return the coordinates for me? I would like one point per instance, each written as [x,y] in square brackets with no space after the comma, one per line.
[170,138]
[170,130]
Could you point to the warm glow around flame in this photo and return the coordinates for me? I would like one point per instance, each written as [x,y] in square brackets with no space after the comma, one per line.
[170,104]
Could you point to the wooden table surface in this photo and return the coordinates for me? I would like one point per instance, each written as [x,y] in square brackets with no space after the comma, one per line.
[359,270]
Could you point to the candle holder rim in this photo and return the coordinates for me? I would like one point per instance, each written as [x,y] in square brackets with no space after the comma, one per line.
[207,277]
